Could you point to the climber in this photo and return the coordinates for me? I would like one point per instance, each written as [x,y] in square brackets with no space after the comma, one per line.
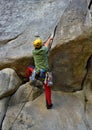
[89,6]
[41,71]
[40,55]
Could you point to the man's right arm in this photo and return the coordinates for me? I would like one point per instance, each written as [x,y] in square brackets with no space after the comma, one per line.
[47,44]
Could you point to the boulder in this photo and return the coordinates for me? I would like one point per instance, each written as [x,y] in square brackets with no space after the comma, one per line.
[9,82]
[69,62]
[25,93]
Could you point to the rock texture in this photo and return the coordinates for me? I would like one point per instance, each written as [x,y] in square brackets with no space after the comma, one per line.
[9,82]
[70,61]
[68,113]
[41,18]
[22,20]
[72,22]
[25,93]
[3,109]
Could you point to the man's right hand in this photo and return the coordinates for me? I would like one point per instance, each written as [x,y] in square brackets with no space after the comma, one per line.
[51,37]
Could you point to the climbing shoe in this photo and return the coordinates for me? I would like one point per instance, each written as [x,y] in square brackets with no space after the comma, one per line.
[49,106]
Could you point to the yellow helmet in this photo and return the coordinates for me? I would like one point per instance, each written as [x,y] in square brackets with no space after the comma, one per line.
[38,43]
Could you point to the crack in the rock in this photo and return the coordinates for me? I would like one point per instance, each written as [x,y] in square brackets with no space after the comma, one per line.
[4,42]
[85,98]
[1,123]
[90,3]
[87,70]
[84,79]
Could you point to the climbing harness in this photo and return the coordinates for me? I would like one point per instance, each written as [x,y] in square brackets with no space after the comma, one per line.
[49,79]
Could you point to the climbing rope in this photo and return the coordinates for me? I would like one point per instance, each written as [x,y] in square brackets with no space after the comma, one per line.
[20,110]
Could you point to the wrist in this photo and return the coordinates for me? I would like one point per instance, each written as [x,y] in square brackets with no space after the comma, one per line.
[51,39]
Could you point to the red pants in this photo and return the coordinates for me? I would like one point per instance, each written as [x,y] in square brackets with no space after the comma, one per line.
[47,90]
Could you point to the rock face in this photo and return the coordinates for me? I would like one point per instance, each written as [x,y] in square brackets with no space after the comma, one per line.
[70,61]
[72,22]
[68,113]
[22,20]
[40,18]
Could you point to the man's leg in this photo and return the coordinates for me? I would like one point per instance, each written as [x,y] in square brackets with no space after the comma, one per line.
[47,90]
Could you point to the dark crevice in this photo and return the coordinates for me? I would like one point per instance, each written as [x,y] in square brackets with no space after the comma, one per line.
[2,122]
[85,76]
[6,107]
[90,3]
[87,70]
[88,65]
[85,102]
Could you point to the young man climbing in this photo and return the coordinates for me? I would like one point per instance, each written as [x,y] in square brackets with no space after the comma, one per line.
[40,55]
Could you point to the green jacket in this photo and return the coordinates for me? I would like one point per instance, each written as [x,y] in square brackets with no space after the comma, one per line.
[41,58]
